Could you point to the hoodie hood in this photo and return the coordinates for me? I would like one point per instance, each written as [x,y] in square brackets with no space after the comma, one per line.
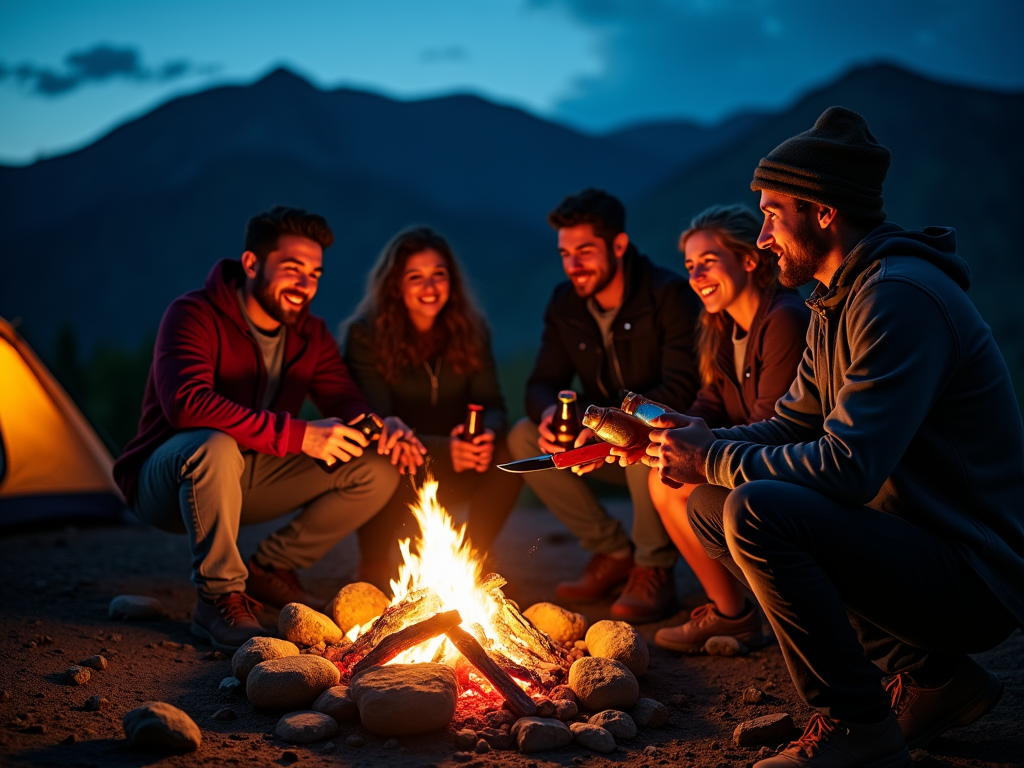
[222,285]
[936,245]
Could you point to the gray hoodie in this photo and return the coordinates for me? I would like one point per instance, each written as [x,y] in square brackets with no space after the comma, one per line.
[902,402]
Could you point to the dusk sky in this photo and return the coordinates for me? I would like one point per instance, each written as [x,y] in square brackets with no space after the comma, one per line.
[70,70]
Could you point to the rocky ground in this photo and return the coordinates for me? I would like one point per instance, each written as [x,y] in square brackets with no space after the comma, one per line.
[57,585]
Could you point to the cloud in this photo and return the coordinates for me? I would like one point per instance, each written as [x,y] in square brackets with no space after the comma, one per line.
[446,54]
[100,63]
[708,59]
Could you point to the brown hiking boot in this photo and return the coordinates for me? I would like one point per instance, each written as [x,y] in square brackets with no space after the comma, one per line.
[278,587]
[601,574]
[650,594]
[226,621]
[926,713]
[710,632]
[828,743]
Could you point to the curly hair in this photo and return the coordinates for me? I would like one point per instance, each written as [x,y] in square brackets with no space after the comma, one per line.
[458,332]
[736,228]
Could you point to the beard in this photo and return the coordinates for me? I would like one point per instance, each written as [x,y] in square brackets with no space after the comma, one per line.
[602,280]
[263,292]
[799,262]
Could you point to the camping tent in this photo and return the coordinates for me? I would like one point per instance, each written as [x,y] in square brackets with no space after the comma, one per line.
[52,464]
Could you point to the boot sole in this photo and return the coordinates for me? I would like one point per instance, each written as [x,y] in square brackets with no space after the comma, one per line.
[973,710]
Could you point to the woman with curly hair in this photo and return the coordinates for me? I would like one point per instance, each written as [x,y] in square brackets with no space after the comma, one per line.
[751,337]
[420,349]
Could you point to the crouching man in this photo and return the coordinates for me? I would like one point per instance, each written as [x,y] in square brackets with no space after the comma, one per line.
[220,443]
[877,516]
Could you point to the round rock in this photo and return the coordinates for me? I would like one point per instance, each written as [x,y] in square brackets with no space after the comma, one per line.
[404,699]
[356,604]
[601,684]
[336,703]
[304,626]
[560,625]
[618,724]
[592,737]
[256,650]
[306,727]
[96,662]
[648,713]
[290,683]
[537,734]
[76,675]
[566,710]
[157,725]
[136,608]
[620,641]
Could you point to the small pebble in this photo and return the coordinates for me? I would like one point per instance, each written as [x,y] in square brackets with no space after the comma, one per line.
[225,714]
[327,748]
[355,741]
[94,662]
[679,700]
[651,750]
[231,685]
[482,747]
[753,696]
[465,739]
[391,744]
[76,675]
[289,756]
[96,703]
[70,739]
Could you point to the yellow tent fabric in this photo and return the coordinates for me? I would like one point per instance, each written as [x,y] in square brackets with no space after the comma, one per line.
[52,463]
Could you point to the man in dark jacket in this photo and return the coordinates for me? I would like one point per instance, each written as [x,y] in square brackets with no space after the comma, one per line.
[876,517]
[220,443]
[619,323]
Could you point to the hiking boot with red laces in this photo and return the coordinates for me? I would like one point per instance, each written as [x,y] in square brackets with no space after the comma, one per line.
[710,632]
[278,587]
[828,743]
[926,713]
[650,594]
[226,621]
[602,573]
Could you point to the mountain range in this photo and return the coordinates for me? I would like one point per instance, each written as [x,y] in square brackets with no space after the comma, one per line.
[102,239]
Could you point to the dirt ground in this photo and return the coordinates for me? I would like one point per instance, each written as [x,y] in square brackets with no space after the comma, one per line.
[56,586]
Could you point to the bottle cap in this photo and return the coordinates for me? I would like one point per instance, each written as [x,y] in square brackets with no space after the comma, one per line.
[567,396]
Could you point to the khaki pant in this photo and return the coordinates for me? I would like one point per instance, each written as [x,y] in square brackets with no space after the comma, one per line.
[574,503]
[199,482]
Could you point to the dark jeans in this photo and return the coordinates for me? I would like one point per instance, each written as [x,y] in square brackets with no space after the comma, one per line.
[491,496]
[849,591]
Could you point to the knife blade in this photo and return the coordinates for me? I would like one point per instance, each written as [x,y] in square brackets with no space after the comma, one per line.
[564,460]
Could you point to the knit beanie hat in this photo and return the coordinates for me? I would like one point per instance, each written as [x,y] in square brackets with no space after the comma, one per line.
[838,163]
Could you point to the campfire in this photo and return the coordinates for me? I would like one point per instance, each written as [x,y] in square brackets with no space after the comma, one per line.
[444,610]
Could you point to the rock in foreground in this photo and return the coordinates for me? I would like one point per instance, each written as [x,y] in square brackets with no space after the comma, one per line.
[536,734]
[337,703]
[648,713]
[356,604]
[256,650]
[157,725]
[618,724]
[404,699]
[306,727]
[560,625]
[620,641]
[136,608]
[290,683]
[304,626]
[768,730]
[602,684]
[593,737]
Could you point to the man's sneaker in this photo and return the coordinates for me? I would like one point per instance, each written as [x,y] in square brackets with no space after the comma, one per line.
[650,594]
[278,587]
[828,743]
[226,621]
[926,713]
[602,573]
[710,632]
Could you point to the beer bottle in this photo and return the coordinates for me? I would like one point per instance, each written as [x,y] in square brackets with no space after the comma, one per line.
[474,422]
[616,427]
[644,409]
[566,423]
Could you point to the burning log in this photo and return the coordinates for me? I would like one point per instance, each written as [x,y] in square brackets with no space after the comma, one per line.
[416,606]
[407,638]
[522,633]
[516,697]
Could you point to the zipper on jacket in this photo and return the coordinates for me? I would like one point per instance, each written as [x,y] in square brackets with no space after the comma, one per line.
[435,377]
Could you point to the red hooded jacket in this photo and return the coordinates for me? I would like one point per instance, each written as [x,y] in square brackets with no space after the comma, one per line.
[208,373]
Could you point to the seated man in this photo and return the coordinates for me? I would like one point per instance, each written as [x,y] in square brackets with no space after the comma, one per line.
[877,516]
[219,442]
[618,323]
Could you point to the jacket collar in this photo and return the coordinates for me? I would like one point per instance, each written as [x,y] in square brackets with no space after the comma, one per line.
[825,298]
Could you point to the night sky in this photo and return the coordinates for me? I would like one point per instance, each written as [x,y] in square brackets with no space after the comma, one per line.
[71,70]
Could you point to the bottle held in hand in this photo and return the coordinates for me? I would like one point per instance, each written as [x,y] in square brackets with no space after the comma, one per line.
[370,425]
[642,408]
[616,427]
[566,422]
[474,422]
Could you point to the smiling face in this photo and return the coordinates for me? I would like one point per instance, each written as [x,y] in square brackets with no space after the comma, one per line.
[791,232]
[285,281]
[426,286]
[717,275]
[586,258]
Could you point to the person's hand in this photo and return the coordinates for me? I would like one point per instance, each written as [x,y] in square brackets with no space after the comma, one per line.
[399,441]
[333,440]
[475,456]
[679,449]
[585,437]
[547,441]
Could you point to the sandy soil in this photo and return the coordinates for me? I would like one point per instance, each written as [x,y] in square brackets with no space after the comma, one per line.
[56,587]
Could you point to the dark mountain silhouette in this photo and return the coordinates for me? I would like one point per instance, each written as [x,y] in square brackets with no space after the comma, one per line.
[102,239]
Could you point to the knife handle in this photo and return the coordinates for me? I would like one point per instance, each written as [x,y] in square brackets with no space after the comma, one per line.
[584,455]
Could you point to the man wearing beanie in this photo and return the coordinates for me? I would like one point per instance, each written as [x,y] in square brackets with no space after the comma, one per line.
[877,516]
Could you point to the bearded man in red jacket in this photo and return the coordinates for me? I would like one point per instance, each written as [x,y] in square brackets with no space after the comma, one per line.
[220,443]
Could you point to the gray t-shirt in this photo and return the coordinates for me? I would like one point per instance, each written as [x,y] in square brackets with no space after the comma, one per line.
[605,318]
[272,348]
[739,350]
